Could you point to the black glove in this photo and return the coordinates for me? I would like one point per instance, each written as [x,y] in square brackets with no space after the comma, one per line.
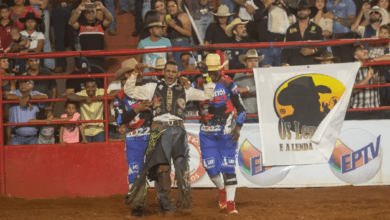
[203,68]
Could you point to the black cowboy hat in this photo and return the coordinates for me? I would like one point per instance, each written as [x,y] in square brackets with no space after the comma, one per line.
[30,15]
[302,5]
[300,88]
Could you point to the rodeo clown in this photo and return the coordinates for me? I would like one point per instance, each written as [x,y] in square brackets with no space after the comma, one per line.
[168,138]
[137,116]
[219,132]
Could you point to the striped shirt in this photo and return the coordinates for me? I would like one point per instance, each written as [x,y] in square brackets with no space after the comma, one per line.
[366,98]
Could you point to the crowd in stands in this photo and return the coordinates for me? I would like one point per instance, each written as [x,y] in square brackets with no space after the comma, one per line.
[82,24]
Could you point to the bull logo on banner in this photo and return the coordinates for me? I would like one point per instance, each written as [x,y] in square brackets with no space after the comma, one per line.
[301,103]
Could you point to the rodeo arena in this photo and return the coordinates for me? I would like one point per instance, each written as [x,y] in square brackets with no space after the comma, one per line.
[195,109]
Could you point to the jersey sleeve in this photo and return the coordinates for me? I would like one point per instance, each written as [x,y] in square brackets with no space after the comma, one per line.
[237,103]
[121,116]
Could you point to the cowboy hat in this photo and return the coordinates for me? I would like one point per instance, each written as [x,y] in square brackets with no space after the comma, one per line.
[127,65]
[30,15]
[234,23]
[303,4]
[213,62]
[252,53]
[158,64]
[383,12]
[300,88]
[223,11]
[328,56]
[156,24]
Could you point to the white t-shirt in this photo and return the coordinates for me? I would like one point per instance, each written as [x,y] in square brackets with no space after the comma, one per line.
[115,85]
[34,37]
[243,14]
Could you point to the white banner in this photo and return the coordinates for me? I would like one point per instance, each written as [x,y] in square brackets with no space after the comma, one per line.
[360,157]
[301,111]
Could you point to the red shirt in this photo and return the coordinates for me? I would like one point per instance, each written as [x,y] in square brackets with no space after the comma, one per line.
[5,36]
[15,17]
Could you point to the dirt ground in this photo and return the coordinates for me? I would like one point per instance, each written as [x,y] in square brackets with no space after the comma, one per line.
[346,202]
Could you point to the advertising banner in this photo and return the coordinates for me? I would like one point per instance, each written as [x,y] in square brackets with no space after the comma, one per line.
[301,111]
[361,156]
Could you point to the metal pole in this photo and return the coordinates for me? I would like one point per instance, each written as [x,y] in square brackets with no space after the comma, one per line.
[2,147]
[106,109]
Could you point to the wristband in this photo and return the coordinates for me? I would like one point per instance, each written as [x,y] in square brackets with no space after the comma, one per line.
[208,79]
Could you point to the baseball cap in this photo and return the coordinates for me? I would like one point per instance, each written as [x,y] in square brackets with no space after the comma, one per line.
[28,81]
[82,63]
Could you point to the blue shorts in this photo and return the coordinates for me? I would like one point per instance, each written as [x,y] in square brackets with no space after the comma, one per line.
[218,153]
[135,152]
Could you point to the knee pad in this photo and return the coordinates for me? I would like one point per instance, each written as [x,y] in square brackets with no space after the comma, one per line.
[230,179]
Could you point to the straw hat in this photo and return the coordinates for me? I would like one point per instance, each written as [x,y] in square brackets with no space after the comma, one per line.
[230,27]
[159,64]
[127,65]
[223,11]
[156,24]
[328,56]
[213,62]
[383,12]
[252,53]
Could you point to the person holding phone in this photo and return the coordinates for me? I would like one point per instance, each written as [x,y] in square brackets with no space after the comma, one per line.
[91,30]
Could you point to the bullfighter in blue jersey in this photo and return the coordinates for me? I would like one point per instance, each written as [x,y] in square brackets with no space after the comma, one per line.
[219,132]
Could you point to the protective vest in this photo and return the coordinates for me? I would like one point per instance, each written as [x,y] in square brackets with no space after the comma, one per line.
[169,100]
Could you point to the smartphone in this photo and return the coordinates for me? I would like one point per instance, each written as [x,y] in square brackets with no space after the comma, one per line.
[192,61]
[168,17]
[90,5]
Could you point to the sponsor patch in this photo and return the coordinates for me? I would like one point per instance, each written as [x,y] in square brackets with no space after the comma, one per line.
[133,168]
[228,161]
[209,163]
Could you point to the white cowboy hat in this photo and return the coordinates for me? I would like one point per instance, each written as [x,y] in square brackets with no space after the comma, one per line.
[230,27]
[223,11]
[127,66]
[158,64]
[383,12]
[252,53]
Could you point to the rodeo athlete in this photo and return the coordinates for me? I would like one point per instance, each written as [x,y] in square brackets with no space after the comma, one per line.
[168,138]
[138,117]
[219,132]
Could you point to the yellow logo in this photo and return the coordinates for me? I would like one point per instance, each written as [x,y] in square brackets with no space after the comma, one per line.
[292,30]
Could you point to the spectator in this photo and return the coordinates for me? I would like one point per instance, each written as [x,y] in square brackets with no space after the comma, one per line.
[237,30]
[19,42]
[246,83]
[46,133]
[327,58]
[82,67]
[6,85]
[41,6]
[151,17]
[91,110]
[138,18]
[375,16]
[367,97]
[325,23]
[343,13]
[91,30]
[179,28]
[376,50]
[36,38]
[61,11]
[158,66]
[23,112]
[154,41]
[215,33]
[272,20]
[159,6]
[302,30]
[187,61]
[47,87]
[123,9]
[120,134]
[70,133]
[20,10]
[201,12]
[5,27]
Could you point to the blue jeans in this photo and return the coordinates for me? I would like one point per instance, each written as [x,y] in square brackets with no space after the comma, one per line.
[145,8]
[203,24]
[60,16]
[176,55]
[20,140]
[48,63]
[230,5]
[110,5]
[272,56]
[101,137]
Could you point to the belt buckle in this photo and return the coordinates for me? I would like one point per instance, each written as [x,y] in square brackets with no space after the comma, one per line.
[64,4]
[170,123]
